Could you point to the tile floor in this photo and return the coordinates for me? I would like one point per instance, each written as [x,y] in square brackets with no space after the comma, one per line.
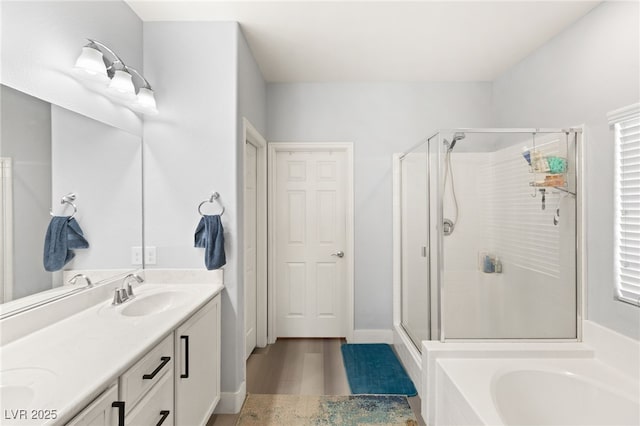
[298,367]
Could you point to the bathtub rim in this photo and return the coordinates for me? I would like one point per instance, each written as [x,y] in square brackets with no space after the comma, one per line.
[473,378]
[432,351]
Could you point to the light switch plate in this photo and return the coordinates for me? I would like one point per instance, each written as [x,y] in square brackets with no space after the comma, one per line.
[136,255]
[150,255]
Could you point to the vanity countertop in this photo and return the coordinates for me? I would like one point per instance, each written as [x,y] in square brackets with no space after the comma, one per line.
[61,368]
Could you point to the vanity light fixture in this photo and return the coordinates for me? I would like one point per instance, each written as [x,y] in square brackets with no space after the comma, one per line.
[90,64]
[99,67]
[121,86]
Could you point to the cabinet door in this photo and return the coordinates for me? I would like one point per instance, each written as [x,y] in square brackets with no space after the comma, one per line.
[100,412]
[197,375]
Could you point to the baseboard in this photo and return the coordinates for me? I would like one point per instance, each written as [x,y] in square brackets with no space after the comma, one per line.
[372,336]
[231,402]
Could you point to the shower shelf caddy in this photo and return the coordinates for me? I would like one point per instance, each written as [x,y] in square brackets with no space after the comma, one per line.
[552,167]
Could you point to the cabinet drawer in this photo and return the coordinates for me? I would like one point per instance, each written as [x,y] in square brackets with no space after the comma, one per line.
[156,407]
[136,381]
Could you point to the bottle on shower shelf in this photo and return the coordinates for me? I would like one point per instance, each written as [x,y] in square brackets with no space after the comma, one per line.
[539,162]
[489,265]
[526,154]
[498,265]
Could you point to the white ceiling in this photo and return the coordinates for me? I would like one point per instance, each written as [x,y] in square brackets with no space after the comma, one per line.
[302,41]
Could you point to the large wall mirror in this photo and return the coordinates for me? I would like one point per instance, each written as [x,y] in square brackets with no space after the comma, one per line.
[48,152]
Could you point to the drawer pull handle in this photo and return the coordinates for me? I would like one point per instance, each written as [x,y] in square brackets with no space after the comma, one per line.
[164,414]
[185,375]
[120,406]
[165,360]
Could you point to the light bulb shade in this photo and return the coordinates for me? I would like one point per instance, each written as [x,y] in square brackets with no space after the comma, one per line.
[90,65]
[146,102]
[121,86]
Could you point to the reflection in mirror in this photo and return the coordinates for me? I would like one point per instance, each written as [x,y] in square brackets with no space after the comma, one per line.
[48,152]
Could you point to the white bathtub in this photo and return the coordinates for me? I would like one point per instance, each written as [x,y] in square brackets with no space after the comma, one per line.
[535,391]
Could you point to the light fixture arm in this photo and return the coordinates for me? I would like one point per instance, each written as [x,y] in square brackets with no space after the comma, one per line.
[101,46]
[117,59]
[145,83]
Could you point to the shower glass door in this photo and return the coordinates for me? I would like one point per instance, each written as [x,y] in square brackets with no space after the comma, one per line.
[504,221]
[415,308]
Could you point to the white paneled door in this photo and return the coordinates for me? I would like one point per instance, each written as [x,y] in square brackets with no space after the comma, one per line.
[310,243]
[250,252]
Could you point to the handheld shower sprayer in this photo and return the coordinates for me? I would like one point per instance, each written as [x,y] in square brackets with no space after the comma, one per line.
[449,225]
[456,137]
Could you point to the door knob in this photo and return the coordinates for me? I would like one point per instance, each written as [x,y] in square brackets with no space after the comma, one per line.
[338,253]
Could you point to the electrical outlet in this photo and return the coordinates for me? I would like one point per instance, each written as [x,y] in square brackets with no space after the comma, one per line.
[150,255]
[136,255]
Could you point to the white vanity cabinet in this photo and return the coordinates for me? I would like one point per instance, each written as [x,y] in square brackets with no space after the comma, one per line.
[152,361]
[142,396]
[147,387]
[101,411]
[197,367]
[177,382]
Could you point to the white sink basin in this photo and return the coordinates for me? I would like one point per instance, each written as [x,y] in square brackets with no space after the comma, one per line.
[154,303]
[23,388]
[16,396]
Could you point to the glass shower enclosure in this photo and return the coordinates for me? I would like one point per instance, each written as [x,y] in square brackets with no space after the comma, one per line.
[489,235]
[414,236]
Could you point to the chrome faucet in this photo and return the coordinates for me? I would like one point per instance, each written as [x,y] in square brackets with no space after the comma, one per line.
[126,282]
[83,276]
[125,292]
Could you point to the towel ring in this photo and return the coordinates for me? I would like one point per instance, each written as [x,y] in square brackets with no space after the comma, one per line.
[68,199]
[214,197]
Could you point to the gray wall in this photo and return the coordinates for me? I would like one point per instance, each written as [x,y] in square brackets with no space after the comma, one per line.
[252,105]
[380,119]
[252,93]
[41,41]
[195,147]
[583,73]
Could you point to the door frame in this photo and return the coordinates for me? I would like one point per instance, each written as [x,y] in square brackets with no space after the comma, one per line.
[273,149]
[252,136]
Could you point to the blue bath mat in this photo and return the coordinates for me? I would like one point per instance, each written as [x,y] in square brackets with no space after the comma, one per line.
[375,369]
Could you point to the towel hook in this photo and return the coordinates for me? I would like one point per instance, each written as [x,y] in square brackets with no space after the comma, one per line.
[68,199]
[214,197]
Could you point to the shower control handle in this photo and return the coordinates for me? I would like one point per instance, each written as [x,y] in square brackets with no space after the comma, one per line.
[447,227]
[340,254]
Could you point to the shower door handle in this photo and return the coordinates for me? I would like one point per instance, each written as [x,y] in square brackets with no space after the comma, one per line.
[339,254]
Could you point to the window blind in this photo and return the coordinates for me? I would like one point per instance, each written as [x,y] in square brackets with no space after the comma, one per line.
[626,125]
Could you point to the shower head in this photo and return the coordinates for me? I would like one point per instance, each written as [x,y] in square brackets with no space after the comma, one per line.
[456,137]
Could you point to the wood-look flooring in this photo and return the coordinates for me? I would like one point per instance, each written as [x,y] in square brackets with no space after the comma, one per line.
[298,367]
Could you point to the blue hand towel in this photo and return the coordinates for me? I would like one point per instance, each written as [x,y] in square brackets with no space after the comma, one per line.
[210,235]
[63,235]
